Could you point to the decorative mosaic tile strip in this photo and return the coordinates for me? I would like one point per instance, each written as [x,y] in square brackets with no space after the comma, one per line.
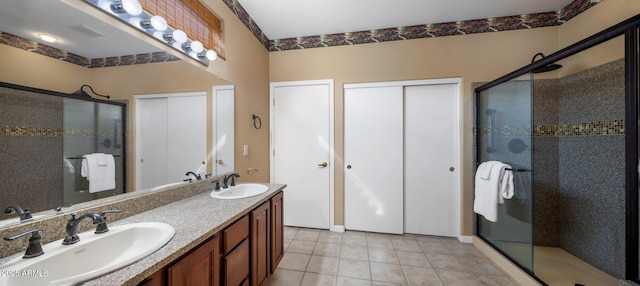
[414,32]
[87,133]
[30,131]
[42,49]
[609,127]
[8,130]
[35,47]
[156,57]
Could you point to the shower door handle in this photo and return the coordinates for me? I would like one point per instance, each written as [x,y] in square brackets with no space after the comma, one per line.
[492,130]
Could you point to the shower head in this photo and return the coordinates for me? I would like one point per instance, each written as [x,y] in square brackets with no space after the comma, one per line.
[546,68]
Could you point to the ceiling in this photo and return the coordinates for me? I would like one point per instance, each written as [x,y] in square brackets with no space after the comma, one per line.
[93,39]
[281,19]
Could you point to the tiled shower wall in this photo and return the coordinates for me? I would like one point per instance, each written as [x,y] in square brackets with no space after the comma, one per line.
[31,138]
[579,165]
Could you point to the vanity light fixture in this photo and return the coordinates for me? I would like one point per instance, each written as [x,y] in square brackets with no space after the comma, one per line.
[131,7]
[156,22]
[132,13]
[47,38]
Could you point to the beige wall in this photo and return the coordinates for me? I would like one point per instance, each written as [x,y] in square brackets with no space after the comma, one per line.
[474,58]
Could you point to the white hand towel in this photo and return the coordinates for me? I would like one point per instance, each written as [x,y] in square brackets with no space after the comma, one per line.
[484,170]
[101,178]
[487,192]
[506,185]
[101,158]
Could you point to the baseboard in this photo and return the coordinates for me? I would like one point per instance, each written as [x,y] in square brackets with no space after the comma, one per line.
[465,239]
[337,228]
[507,266]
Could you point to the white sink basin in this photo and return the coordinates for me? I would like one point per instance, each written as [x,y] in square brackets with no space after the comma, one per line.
[94,256]
[240,191]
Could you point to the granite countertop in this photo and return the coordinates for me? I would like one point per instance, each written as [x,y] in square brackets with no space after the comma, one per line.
[195,219]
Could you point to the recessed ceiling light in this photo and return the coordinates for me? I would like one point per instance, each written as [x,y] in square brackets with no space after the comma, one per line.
[47,38]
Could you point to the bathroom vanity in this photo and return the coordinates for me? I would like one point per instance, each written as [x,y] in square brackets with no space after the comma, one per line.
[244,253]
[216,241]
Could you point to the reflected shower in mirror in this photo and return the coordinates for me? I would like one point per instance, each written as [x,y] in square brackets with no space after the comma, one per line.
[109,67]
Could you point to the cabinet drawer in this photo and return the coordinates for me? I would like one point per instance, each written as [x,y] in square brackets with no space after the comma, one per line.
[236,265]
[235,233]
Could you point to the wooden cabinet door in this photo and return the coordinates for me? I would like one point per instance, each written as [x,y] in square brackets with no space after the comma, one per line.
[200,268]
[277,230]
[260,238]
[236,265]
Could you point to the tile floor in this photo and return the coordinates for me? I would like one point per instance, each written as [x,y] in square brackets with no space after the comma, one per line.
[321,257]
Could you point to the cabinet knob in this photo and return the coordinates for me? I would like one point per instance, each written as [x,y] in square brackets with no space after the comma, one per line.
[323,165]
[348,166]
[451,169]
[220,162]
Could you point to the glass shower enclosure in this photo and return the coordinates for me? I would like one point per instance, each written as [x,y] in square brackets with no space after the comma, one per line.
[504,130]
[577,131]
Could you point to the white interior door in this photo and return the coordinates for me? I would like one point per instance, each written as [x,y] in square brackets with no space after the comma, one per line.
[302,150]
[431,159]
[373,155]
[223,134]
[151,142]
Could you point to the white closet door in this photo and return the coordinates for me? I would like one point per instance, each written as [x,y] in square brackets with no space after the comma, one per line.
[187,143]
[224,134]
[373,155]
[151,142]
[431,158]
[171,137]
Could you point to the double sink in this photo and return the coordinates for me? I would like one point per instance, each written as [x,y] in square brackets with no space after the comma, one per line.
[98,254]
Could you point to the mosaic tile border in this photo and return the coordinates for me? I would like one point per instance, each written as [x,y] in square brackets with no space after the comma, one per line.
[608,127]
[10,130]
[30,131]
[516,22]
[42,49]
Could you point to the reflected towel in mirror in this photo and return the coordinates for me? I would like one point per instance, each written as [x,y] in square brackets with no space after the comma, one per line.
[100,177]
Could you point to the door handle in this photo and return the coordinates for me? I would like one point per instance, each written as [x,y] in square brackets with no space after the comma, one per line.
[220,162]
[323,165]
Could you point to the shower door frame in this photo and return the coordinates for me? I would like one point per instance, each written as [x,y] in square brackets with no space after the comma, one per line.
[630,28]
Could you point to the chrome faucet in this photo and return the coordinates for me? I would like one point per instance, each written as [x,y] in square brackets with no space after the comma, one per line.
[24,214]
[73,223]
[232,176]
[197,176]
[35,247]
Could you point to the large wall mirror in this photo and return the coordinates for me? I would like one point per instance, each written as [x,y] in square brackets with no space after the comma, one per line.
[101,54]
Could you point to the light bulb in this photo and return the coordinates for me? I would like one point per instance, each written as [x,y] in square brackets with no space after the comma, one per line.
[211,55]
[179,36]
[156,22]
[159,23]
[132,7]
[197,47]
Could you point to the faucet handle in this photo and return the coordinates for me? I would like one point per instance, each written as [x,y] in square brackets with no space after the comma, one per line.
[35,247]
[102,227]
[217,182]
